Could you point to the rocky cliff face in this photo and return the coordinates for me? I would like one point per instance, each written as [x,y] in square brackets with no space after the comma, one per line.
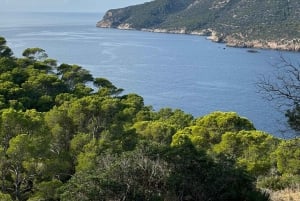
[281,44]
[107,21]
[240,23]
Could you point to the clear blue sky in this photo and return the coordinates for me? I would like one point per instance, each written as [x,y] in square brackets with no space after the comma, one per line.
[65,5]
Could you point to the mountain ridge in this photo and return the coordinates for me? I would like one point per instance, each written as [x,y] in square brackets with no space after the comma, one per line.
[239,23]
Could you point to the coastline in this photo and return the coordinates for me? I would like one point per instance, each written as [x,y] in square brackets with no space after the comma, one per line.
[234,40]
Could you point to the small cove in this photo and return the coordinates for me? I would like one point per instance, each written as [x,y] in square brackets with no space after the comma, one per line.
[168,70]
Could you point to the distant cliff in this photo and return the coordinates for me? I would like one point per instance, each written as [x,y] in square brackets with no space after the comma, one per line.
[271,24]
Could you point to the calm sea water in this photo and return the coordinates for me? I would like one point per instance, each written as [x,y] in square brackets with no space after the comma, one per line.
[168,70]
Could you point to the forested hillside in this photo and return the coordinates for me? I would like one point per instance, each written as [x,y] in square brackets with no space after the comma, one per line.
[244,23]
[62,139]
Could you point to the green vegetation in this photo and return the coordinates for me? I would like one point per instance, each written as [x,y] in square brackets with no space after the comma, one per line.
[63,140]
[235,21]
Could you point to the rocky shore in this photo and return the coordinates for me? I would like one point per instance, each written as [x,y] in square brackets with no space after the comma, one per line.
[229,40]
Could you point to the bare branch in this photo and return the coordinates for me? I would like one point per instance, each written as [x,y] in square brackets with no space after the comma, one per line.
[283,88]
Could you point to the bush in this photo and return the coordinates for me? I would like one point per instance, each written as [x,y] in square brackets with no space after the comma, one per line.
[278,182]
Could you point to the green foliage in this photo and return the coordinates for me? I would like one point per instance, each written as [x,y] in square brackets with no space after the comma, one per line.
[180,172]
[35,54]
[5,51]
[241,19]
[48,190]
[276,182]
[105,87]
[293,116]
[149,14]
[208,130]
[72,75]
[15,122]
[41,89]
[250,149]
[78,142]
[195,176]
[220,122]
[61,128]
[199,136]
[25,156]
[177,117]
[130,176]
[155,130]
[288,156]
[60,140]
[5,197]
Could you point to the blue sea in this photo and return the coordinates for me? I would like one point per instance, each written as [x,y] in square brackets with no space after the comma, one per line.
[186,72]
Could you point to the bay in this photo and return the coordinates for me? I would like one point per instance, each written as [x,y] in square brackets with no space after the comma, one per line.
[167,70]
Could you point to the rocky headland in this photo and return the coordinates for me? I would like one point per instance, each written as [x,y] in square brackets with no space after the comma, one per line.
[238,23]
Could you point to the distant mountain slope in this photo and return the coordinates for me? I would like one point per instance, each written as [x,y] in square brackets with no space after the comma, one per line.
[245,23]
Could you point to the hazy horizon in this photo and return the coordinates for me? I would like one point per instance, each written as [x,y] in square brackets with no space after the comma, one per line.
[64,5]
